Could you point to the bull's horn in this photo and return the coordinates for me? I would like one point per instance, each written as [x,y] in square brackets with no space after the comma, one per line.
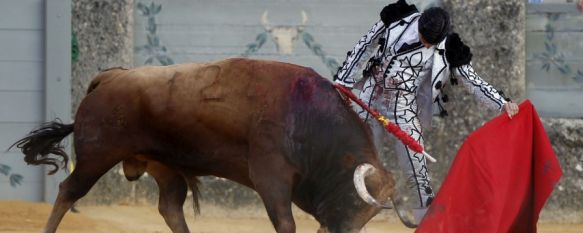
[265,21]
[360,174]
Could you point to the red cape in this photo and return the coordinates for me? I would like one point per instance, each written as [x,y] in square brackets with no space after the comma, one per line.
[499,181]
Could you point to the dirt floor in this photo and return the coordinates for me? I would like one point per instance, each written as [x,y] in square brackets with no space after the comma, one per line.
[26,217]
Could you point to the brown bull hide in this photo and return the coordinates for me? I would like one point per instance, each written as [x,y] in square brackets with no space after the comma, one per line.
[277,128]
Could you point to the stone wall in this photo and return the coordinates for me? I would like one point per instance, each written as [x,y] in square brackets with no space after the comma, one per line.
[566,136]
[104,32]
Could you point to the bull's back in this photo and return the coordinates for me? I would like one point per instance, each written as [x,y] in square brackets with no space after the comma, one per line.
[225,97]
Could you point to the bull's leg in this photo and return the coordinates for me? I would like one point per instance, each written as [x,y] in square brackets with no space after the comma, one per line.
[173,189]
[277,201]
[273,180]
[76,186]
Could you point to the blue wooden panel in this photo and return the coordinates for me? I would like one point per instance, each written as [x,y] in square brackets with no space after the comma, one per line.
[557,102]
[554,78]
[554,66]
[205,30]
[570,44]
[21,45]
[553,6]
[31,186]
[11,132]
[233,39]
[21,76]
[21,92]
[17,166]
[21,106]
[227,12]
[57,98]
[564,22]
[21,14]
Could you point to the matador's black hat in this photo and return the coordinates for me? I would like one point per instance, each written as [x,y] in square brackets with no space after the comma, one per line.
[434,25]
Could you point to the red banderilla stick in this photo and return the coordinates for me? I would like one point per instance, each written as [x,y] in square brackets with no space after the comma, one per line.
[389,126]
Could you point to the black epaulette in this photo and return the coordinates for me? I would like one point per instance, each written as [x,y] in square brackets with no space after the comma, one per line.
[396,11]
[456,52]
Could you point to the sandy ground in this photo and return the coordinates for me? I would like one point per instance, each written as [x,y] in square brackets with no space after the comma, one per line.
[26,217]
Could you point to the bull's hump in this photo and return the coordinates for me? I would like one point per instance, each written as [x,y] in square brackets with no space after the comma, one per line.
[253,64]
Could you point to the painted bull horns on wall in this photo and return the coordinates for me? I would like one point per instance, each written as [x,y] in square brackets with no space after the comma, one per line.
[284,36]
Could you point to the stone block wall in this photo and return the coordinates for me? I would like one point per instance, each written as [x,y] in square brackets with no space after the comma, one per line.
[104,34]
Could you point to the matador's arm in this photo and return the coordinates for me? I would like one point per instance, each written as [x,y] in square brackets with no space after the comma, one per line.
[359,55]
[459,56]
[486,93]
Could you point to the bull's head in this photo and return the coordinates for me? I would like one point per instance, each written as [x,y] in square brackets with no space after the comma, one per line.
[284,36]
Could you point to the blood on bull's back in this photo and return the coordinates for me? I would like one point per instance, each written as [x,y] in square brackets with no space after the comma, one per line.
[227,96]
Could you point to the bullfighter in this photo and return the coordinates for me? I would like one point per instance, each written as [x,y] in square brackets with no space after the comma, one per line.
[413,56]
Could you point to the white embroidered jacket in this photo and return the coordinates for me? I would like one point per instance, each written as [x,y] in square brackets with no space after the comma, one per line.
[384,41]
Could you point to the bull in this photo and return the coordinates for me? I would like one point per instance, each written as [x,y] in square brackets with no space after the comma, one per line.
[279,129]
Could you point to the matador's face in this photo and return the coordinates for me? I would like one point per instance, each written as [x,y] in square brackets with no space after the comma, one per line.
[425,43]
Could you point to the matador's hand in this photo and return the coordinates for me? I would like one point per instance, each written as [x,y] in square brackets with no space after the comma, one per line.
[511,109]
[580,5]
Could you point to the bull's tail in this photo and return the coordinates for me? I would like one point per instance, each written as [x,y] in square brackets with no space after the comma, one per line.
[43,141]
[193,183]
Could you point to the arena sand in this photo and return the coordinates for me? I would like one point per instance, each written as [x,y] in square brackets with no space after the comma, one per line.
[27,217]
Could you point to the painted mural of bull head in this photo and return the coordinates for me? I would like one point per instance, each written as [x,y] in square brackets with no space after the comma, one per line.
[284,36]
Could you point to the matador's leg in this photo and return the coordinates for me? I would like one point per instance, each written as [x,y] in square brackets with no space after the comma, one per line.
[413,164]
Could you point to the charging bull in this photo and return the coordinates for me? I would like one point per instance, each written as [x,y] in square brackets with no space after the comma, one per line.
[277,128]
